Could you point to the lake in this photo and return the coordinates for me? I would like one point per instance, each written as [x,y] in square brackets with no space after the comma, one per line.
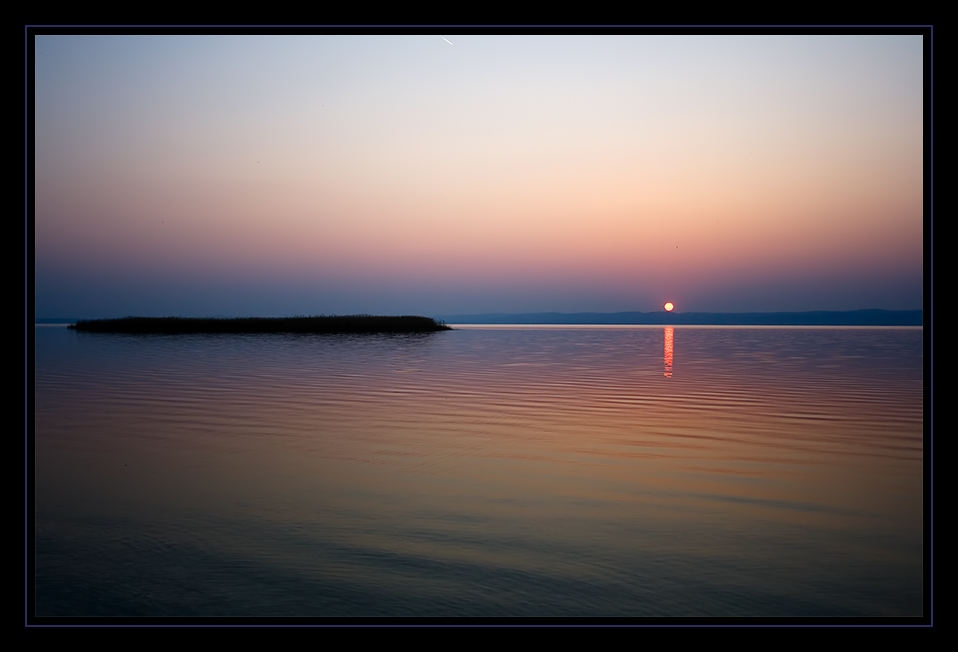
[635,471]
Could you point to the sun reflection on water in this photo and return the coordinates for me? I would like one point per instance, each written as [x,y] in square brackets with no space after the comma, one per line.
[668,351]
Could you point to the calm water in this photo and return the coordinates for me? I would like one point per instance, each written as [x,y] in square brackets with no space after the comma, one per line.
[620,471]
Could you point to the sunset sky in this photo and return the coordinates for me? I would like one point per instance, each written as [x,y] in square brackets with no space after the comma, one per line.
[449,174]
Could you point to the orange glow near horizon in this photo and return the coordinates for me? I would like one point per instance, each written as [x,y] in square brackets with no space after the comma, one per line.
[668,306]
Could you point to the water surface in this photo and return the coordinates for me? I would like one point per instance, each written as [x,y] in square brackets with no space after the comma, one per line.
[486,471]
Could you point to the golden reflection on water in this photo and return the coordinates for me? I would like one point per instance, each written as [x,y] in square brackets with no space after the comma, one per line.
[668,351]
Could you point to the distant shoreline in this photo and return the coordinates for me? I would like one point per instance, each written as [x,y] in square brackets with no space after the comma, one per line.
[305,325]
[661,318]
[811,318]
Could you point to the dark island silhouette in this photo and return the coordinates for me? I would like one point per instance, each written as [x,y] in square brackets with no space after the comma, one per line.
[315,324]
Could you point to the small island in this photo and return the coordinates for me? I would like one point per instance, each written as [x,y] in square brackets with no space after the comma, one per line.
[316,324]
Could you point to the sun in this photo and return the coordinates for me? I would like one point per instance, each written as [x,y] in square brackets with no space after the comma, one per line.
[668,306]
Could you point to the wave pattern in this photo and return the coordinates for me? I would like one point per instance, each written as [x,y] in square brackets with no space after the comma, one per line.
[561,469]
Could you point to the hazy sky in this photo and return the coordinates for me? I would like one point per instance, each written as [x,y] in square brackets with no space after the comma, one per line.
[276,175]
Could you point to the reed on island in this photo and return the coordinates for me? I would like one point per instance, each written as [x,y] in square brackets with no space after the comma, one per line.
[301,324]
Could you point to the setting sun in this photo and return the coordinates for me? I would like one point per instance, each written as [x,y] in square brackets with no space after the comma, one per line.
[668,306]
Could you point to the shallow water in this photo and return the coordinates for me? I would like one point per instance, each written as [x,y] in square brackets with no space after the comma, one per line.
[530,471]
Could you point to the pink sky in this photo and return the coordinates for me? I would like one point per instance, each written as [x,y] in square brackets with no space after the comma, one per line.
[281,175]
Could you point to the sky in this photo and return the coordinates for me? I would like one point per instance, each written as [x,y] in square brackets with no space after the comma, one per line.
[461,174]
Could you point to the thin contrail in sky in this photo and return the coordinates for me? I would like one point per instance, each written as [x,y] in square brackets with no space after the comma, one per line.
[447,40]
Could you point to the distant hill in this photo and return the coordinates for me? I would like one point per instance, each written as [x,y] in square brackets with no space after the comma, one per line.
[814,318]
